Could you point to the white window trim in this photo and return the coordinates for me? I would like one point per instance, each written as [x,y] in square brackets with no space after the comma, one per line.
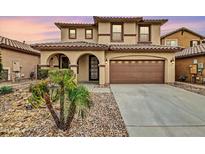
[195,40]
[171,40]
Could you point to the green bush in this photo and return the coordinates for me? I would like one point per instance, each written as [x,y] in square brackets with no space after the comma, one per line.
[6,90]
[42,74]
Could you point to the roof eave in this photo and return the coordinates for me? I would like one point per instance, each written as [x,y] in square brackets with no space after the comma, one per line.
[180,29]
[70,48]
[116,19]
[154,21]
[189,56]
[66,25]
[19,50]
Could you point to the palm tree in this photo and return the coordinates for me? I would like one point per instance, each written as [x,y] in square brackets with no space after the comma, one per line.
[60,87]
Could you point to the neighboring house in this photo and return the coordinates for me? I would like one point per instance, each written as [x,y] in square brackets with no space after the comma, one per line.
[18,59]
[182,37]
[112,50]
[191,62]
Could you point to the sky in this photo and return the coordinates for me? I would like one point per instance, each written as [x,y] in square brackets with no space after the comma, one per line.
[34,29]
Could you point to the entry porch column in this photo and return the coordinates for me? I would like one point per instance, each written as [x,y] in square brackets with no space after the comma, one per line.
[101,74]
[74,67]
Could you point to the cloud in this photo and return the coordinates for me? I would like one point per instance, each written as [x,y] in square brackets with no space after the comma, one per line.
[41,28]
[195,25]
[24,29]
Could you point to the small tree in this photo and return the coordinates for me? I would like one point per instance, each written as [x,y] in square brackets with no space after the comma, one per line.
[60,87]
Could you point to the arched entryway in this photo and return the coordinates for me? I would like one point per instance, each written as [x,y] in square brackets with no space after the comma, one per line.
[88,68]
[60,61]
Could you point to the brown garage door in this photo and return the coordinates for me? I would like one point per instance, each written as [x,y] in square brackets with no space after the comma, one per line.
[137,71]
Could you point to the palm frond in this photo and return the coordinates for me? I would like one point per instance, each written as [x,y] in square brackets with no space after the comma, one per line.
[80,96]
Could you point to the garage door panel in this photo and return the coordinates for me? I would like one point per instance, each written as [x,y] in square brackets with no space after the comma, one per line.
[137,71]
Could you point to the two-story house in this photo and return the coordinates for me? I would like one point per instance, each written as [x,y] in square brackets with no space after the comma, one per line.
[182,37]
[112,50]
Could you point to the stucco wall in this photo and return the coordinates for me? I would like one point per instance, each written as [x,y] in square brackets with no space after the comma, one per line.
[130,33]
[28,62]
[182,66]
[80,35]
[83,74]
[102,34]
[155,34]
[73,56]
[183,40]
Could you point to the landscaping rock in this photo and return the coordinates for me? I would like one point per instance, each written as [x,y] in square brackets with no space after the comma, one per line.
[199,89]
[17,118]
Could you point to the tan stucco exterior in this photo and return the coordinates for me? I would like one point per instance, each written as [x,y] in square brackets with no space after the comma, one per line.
[102,35]
[28,62]
[104,58]
[74,56]
[155,34]
[83,73]
[80,34]
[183,40]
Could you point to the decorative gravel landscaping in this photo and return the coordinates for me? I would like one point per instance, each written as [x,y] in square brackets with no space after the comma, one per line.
[199,89]
[103,119]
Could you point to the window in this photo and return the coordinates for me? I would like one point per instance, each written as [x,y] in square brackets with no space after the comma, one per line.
[195,61]
[144,33]
[72,33]
[171,42]
[194,43]
[117,33]
[88,33]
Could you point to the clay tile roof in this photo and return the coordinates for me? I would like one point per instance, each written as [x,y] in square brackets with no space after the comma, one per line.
[155,21]
[183,29]
[79,45]
[68,24]
[83,46]
[192,51]
[117,19]
[18,46]
[144,47]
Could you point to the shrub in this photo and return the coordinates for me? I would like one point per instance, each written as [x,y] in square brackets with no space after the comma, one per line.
[6,90]
[42,74]
[182,78]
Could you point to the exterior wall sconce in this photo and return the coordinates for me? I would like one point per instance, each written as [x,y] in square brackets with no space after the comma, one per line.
[106,61]
[172,61]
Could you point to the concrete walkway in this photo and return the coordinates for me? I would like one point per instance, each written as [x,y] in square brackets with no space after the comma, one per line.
[94,87]
[160,110]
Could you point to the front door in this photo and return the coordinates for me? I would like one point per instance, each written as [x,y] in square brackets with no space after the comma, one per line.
[64,62]
[93,68]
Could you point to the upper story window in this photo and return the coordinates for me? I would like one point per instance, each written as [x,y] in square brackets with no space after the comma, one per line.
[116,32]
[88,33]
[144,33]
[171,42]
[72,33]
[194,43]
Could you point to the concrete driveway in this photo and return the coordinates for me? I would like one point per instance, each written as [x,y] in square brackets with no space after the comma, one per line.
[160,110]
